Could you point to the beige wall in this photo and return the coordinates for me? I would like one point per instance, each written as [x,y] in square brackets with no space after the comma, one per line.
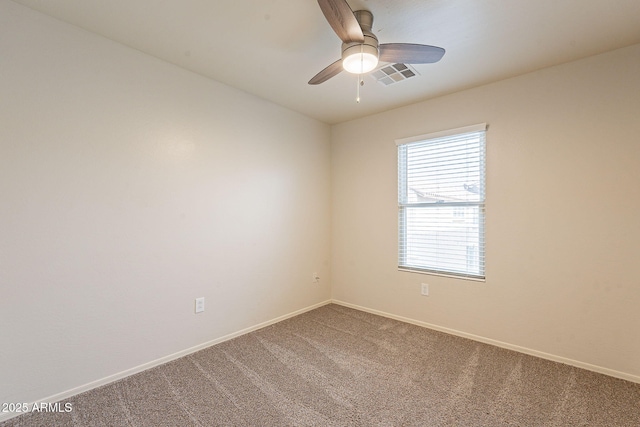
[128,188]
[562,229]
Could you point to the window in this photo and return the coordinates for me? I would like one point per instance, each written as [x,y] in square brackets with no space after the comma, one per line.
[441,188]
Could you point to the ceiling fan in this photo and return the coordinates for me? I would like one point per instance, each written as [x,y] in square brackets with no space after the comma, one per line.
[360,49]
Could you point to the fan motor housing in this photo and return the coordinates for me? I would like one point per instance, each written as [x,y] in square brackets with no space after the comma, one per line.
[370,46]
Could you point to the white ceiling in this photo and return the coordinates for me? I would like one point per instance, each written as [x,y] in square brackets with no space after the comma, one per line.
[271,48]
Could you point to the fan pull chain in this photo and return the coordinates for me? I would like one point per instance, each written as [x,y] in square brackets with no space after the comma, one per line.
[360,81]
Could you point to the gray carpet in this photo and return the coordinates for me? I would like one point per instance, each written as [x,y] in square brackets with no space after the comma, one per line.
[335,366]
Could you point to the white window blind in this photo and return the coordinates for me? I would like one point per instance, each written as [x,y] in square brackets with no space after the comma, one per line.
[441,196]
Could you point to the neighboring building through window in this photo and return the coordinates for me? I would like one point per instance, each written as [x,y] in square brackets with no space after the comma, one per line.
[441,196]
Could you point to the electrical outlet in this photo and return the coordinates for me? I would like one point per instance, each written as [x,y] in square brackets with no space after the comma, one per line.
[199,305]
[315,277]
[424,290]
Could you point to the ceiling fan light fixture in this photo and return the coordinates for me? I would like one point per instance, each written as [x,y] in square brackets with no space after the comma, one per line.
[360,58]
[360,62]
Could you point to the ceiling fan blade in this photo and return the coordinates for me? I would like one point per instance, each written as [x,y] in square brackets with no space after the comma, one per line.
[342,20]
[324,75]
[409,53]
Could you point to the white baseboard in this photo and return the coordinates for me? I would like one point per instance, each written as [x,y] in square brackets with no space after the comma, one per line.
[540,354]
[115,377]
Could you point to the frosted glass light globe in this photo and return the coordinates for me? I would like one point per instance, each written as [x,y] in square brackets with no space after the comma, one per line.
[360,63]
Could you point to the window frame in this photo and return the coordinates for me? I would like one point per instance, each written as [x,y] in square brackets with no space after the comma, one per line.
[404,205]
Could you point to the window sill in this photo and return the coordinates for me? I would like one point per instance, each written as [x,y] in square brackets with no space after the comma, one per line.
[434,273]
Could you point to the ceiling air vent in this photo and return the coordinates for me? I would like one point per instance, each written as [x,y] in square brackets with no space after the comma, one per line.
[393,73]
